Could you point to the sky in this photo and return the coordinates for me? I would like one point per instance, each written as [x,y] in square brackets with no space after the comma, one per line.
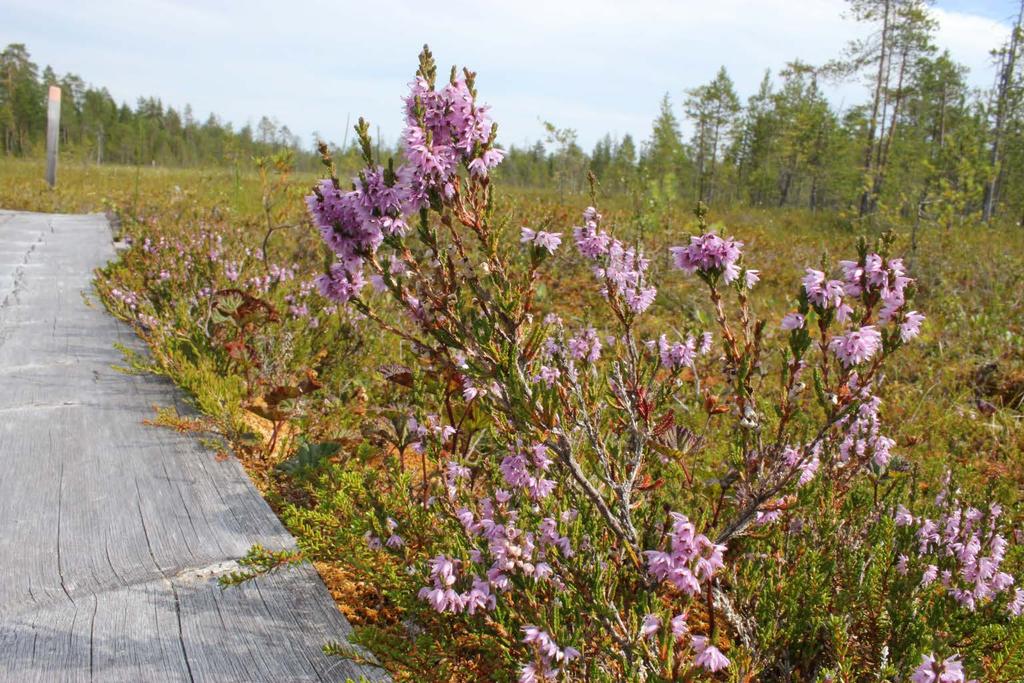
[597,66]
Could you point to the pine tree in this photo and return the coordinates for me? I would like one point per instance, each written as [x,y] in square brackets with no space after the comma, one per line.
[714,110]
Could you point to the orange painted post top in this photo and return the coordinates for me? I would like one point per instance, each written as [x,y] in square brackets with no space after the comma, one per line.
[52,134]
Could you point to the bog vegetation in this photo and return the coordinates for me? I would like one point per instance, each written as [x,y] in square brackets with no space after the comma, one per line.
[744,407]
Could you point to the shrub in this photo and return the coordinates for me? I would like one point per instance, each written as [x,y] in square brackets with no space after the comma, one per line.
[594,493]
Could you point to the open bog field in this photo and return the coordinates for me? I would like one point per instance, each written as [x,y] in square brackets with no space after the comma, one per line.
[446,442]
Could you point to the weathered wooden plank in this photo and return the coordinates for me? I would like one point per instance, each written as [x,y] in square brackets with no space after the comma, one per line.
[114,532]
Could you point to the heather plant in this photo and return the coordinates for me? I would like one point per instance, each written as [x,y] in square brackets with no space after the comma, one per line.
[589,491]
[244,331]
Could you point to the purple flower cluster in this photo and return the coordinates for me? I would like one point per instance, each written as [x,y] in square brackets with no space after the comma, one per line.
[874,276]
[548,241]
[860,431]
[967,542]
[591,240]
[793,321]
[394,541]
[549,655]
[792,457]
[873,281]
[353,225]
[444,128]
[824,293]
[509,550]
[677,355]
[691,558]
[442,595]
[524,470]
[950,670]
[713,256]
[585,346]
[708,656]
[622,268]
[856,346]
[128,299]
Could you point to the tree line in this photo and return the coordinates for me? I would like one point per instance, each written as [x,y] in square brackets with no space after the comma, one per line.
[923,144]
[95,128]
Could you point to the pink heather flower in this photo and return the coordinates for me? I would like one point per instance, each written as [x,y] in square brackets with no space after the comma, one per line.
[792,321]
[705,343]
[548,650]
[970,539]
[903,516]
[529,673]
[1016,605]
[641,299]
[479,597]
[857,346]
[623,272]
[852,273]
[586,346]
[901,565]
[591,242]
[822,292]
[544,240]
[708,656]
[751,278]
[650,626]
[492,157]
[477,168]
[516,470]
[930,572]
[808,466]
[911,326]
[677,355]
[548,375]
[711,255]
[932,671]
[691,558]
[341,284]
[925,673]
[679,626]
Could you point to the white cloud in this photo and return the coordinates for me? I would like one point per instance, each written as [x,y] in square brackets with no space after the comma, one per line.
[970,38]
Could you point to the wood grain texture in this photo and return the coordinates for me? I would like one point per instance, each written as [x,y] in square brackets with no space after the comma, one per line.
[112,533]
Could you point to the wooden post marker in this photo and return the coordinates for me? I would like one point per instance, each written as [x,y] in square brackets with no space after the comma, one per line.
[52,135]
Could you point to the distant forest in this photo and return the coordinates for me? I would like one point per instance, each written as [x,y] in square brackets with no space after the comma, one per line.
[923,144]
[94,127]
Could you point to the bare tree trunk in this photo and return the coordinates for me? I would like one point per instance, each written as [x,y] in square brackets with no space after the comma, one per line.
[714,157]
[884,147]
[787,180]
[1002,96]
[869,146]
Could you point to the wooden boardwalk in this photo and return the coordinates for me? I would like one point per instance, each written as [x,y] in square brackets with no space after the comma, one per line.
[112,533]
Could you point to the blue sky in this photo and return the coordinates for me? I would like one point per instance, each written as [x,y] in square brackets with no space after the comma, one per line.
[594,65]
